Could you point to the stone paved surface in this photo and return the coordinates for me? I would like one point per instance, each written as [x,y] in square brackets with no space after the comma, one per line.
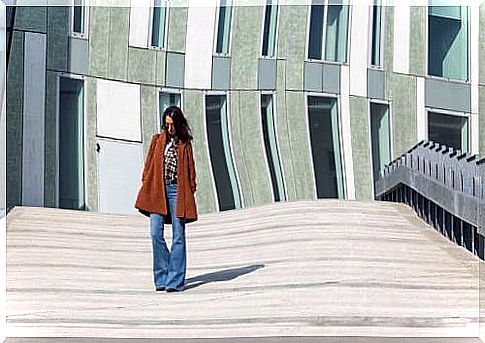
[309,268]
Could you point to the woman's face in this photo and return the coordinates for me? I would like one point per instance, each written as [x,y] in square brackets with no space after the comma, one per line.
[169,125]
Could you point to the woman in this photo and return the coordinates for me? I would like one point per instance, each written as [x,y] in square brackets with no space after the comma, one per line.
[167,196]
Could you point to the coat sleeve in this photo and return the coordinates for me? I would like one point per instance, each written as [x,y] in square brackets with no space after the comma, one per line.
[192,177]
[149,157]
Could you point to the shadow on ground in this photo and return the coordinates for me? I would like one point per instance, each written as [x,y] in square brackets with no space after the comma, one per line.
[223,275]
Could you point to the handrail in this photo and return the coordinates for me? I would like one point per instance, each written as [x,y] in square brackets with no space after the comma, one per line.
[449,179]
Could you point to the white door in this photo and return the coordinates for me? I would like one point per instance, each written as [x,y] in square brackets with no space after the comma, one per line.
[120,165]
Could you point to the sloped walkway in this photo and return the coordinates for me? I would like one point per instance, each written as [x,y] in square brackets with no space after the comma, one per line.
[309,268]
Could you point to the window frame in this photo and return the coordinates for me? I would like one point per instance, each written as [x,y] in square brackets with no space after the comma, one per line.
[85,151]
[337,99]
[459,114]
[86,6]
[325,4]
[278,12]
[426,55]
[167,91]
[240,201]
[216,31]
[284,196]
[382,35]
[391,134]
[166,26]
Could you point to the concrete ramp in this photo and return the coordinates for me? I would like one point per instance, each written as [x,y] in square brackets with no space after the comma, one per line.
[309,268]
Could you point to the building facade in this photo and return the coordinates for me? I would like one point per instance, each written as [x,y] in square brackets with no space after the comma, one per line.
[286,102]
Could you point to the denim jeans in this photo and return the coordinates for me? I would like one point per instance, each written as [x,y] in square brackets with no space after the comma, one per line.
[168,266]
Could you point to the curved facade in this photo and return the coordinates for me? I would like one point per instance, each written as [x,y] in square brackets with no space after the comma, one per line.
[286,102]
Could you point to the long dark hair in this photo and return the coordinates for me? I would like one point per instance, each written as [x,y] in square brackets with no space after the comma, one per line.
[182,129]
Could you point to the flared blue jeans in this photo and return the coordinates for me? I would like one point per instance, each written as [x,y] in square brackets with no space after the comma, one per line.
[169,267]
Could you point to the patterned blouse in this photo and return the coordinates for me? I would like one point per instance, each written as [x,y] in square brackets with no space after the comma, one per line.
[171,162]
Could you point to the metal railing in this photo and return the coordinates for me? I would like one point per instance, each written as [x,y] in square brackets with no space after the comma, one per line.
[444,186]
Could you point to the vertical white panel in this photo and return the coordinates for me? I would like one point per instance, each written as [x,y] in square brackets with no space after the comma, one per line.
[118,190]
[421,120]
[3,153]
[474,133]
[474,76]
[359,50]
[33,120]
[3,183]
[402,22]
[3,135]
[139,23]
[348,162]
[118,110]
[199,45]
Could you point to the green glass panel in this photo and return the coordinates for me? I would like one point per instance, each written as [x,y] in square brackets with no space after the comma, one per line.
[324,130]
[448,130]
[165,100]
[71,144]
[448,44]
[452,12]
[336,33]
[228,155]
[269,32]
[220,165]
[376,35]
[315,35]
[158,23]
[224,27]
[78,18]
[271,147]
[380,138]
[337,153]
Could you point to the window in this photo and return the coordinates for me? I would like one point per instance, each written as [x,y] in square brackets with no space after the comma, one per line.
[377,35]
[224,27]
[159,15]
[228,194]
[79,17]
[380,138]
[270,28]
[448,42]
[448,130]
[71,144]
[10,11]
[325,146]
[328,32]
[271,146]
[166,99]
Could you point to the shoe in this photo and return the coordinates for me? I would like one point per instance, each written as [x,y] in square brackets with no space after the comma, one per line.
[171,290]
[159,289]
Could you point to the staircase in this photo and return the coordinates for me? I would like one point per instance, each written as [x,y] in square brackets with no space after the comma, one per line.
[306,268]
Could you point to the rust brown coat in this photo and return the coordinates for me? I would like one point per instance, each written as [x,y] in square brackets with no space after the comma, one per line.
[152,196]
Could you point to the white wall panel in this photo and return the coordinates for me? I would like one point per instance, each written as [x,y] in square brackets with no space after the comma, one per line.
[118,190]
[421,120]
[199,45]
[118,110]
[139,23]
[474,77]
[3,154]
[359,49]
[33,144]
[402,22]
[474,123]
[3,183]
[348,162]
[3,121]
